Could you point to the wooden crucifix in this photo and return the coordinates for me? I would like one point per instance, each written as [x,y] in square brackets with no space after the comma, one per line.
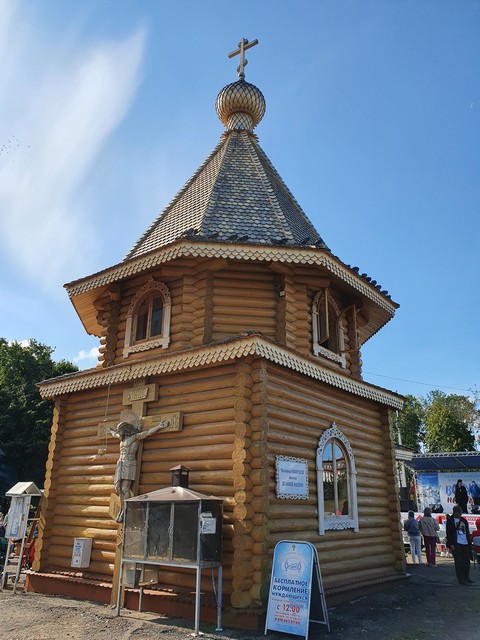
[137,399]
[138,427]
[243,45]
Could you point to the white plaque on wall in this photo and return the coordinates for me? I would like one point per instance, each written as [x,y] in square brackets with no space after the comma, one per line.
[291,477]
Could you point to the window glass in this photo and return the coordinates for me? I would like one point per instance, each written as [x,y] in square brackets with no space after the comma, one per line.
[158,531]
[337,483]
[142,321]
[335,480]
[157,313]
[328,480]
[322,326]
[327,325]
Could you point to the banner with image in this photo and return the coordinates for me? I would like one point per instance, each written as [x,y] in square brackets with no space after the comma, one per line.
[427,490]
[439,488]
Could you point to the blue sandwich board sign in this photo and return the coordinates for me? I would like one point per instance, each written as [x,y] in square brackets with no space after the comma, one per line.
[296,595]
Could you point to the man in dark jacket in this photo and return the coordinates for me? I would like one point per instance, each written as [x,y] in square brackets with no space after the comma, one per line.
[458,542]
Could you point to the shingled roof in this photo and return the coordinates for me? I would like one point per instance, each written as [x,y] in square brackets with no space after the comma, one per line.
[236,195]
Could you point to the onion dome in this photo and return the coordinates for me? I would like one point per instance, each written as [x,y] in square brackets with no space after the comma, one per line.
[240,106]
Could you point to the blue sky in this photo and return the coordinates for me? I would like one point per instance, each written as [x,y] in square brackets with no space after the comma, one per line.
[373,121]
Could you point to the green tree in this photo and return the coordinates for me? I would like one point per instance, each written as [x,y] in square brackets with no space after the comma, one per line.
[25,418]
[450,422]
[408,425]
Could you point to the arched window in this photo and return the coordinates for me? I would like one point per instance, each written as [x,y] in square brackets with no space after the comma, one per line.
[148,318]
[327,328]
[336,482]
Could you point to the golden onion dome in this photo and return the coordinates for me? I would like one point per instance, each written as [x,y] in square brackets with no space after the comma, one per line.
[240,105]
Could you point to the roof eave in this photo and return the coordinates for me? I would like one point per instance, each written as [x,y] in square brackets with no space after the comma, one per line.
[245,345]
[85,291]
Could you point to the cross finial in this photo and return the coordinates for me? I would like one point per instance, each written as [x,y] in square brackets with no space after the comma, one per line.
[243,45]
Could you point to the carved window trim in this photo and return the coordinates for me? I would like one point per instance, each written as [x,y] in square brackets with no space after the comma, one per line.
[148,290]
[323,297]
[337,522]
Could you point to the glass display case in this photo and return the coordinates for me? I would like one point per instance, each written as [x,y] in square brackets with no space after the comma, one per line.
[175,526]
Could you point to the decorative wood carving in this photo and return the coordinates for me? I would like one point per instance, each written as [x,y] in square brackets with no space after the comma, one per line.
[337,522]
[163,341]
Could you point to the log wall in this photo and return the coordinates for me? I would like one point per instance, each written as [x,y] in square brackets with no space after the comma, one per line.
[80,478]
[237,417]
[243,299]
[299,410]
[214,300]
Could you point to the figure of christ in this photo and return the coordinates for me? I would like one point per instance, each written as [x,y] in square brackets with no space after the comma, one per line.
[130,435]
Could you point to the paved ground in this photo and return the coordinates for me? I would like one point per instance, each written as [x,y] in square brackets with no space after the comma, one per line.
[429,605]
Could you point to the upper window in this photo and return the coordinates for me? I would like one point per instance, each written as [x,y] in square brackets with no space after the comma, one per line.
[148,318]
[327,328]
[336,482]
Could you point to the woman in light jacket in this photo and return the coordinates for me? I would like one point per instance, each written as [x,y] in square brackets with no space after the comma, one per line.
[429,527]
[410,525]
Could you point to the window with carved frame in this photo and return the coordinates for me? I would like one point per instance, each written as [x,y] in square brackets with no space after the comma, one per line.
[327,328]
[148,318]
[336,482]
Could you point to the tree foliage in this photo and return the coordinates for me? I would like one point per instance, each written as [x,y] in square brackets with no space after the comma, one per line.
[450,422]
[409,424]
[25,418]
[438,423]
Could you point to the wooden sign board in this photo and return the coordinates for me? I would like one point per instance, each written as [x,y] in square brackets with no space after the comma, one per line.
[296,595]
[291,478]
[145,393]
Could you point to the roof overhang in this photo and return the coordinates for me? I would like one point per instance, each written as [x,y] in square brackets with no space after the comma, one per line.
[24,489]
[456,461]
[245,345]
[85,291]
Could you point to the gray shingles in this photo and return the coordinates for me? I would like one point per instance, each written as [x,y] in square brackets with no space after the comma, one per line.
[235,194]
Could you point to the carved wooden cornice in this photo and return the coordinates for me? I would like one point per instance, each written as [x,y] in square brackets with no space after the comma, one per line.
[241,347]
[185,248]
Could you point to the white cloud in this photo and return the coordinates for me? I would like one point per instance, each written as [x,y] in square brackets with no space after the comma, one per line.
[87,355]
[59,102]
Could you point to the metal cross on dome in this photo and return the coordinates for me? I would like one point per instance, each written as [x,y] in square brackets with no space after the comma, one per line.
[243,45]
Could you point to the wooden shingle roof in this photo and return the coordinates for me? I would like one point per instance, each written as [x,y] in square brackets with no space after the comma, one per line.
[235,196]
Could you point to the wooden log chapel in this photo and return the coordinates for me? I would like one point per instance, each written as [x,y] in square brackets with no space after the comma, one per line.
[232,319]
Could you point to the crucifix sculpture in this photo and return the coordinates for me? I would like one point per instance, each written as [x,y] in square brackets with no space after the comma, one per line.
[130,434]
[243,45]
[132,429]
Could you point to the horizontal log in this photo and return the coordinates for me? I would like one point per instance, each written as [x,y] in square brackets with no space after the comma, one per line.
[61,551]
[101,523]
[73,476]
[99,568]
[82,510]
[103,545]
[85,532]
[84,489]
[288,526]
[79,500]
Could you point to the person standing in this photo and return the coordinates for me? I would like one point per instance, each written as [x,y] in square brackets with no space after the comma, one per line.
[410,525]
[475,492]
[461,496]
[429,527]
[458,542]
[473,535]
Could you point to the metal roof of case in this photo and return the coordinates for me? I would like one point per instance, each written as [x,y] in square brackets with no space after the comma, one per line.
[236,195]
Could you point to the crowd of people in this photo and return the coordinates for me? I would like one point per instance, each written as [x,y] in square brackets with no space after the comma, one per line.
[460,542]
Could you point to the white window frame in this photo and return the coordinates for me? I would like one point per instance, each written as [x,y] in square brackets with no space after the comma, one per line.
[151,288]
[336,522]
[317,348]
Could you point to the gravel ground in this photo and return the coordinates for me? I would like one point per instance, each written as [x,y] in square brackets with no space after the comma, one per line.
[429,605]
